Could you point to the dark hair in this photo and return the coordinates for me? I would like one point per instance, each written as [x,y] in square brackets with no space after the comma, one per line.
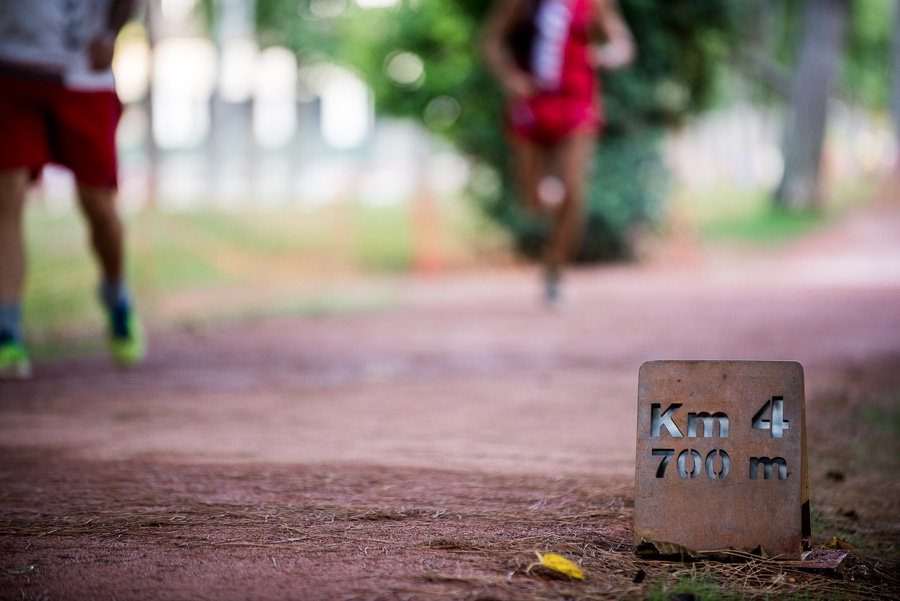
[521,38]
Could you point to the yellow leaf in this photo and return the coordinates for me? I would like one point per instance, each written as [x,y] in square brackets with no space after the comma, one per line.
[837,543]
[559,564]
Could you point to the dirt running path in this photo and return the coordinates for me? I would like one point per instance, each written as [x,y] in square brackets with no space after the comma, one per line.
[470,400]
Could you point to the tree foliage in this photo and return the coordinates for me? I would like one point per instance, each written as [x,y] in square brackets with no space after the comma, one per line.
[866,69]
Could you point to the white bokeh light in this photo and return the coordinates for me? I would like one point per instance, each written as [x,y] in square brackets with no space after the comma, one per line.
[184,73]
[176,10]
[377,3]
[346,107]
[327,9]
[236,70]
[275,102]
[405,69]
[131,65]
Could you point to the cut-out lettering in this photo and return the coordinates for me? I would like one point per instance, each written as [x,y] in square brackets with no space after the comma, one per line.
[777,424]
[696,463]
[657,420]
[667,455]
[767,464]
[710,464]
[707,420]
[690,464]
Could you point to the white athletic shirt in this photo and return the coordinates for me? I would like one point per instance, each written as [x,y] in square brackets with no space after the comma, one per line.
[552,24]
[53,36]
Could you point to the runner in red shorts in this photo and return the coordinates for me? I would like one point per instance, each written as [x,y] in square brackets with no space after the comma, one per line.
[58,104]
[542,53]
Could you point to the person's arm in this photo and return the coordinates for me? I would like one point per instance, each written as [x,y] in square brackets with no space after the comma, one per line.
[619,49]
[101,47]
[501,17]
[120,12]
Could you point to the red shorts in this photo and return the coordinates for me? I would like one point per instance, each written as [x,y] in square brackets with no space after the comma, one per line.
[546,119]
[44,122]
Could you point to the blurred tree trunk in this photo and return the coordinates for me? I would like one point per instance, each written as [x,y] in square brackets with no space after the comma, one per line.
[151,17]
[230,144]
[765,24]
[823,32]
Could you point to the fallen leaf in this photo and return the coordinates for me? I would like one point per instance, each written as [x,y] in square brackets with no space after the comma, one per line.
[837,543]
[559,564]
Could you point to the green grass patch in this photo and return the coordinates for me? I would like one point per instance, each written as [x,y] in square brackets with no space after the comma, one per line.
[265,233]
[745,216]
[748,216]
[169,253]
[876,440]
[710,583]
[61,282]
[248,265]
[383,240]
[765,227]
[883,419]
[702,586]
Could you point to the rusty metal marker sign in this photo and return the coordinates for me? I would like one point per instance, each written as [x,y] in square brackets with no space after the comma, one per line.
[721,459]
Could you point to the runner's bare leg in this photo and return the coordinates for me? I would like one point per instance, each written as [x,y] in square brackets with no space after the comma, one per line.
[573,156]
[107,238]
[13,187]
[527,163]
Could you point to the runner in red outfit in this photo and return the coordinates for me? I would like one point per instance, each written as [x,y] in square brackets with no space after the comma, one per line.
[543,55]
[58,104]
[557,58]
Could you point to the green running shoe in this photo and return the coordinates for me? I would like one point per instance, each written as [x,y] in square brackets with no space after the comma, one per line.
[14,363]
[126,337]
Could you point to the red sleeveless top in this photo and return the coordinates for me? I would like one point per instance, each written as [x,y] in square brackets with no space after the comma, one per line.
[552,44]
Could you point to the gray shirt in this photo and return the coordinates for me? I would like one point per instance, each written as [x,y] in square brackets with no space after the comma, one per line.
[53,36]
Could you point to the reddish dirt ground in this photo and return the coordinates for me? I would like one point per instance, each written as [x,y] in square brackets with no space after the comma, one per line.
[428,451]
